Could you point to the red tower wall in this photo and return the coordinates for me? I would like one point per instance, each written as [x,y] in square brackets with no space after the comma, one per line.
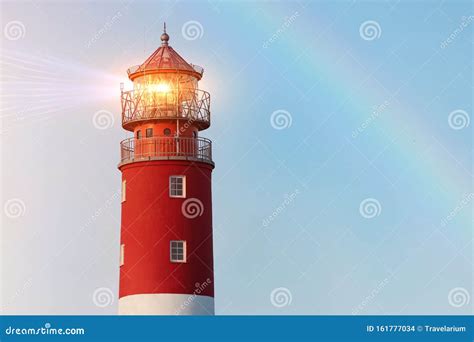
[151,219]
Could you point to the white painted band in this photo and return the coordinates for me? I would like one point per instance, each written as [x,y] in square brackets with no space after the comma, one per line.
[166,304]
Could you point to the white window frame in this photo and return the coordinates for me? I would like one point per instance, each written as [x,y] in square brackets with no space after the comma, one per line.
[122,254]
[183,195]
[184,252]
[124,191]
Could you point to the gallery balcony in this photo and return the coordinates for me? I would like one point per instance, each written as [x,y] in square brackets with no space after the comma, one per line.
[166,148]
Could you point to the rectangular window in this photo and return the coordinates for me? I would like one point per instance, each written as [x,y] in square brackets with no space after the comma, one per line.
[139,134]
[178,251]
[124,190]
[122,254]
[149,132]
[178,186]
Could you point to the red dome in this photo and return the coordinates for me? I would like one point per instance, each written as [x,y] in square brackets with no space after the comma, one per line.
[163,60]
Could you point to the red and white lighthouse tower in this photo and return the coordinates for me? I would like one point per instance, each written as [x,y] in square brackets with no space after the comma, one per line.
[166,262]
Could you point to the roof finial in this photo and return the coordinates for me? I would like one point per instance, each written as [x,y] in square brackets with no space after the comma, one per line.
[164,36]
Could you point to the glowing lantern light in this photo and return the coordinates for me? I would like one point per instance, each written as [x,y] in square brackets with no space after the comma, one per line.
[159,88]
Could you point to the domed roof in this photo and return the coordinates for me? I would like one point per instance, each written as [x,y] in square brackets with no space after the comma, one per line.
[165,59]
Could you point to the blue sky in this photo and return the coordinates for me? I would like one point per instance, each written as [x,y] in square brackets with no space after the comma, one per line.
[382,117]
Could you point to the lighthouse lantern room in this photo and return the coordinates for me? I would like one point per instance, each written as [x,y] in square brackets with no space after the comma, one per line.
[166,253]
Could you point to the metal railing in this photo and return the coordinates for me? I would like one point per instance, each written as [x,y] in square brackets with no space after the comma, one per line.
[186,104]
[187,148]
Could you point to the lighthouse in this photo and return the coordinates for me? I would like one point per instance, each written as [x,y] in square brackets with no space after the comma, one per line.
[166,249]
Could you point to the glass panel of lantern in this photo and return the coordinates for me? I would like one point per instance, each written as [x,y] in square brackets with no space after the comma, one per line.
[170,94]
